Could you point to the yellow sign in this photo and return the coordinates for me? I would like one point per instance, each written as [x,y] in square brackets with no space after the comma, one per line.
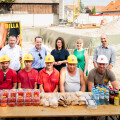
[7,29]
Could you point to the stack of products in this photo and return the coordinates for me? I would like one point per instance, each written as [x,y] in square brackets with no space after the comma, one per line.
[114,95]
[28,97]
[105,95]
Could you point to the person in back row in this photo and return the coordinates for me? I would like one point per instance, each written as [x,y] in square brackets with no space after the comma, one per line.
[38,52]
[82,57]
[101,74]
[8,77]
[48,77]
[14,52]
[60,54]
[105,49]
[71,77]
[27,77]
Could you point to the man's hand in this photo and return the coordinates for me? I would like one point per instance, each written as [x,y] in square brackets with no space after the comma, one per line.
[109,66]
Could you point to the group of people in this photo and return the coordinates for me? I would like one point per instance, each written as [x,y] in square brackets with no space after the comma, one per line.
[58,71]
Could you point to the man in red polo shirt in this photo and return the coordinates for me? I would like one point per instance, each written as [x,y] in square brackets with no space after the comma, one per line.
[27,77]
[48,77]
[8,77]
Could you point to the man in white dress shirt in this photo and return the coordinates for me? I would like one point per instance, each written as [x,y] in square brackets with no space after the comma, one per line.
[14,52]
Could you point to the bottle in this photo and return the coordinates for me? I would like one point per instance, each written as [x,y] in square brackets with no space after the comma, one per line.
[116,98]
[98,86]
[119,96]
[111,96]
[107,97]
[97,98]
[101,86]
[105,89]
[101,97]
[93,91]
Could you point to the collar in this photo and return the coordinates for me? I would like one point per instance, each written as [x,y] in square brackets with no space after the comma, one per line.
[36,49]
[10,47]
[29,71]
[101,73]
[44,70]
[106,47]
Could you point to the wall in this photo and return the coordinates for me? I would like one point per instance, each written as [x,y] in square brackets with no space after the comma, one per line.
[28,20]
[85,19]
[35,8]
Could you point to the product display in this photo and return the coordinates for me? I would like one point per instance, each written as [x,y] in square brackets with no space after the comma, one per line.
[32,97]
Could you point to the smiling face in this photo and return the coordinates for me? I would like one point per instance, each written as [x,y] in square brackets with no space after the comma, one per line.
[79,45]
[38,43]
[28,63]
[101,67]
[59,44]
[71,67]
[5,65]
[12,41]
[49,65]
[104,40]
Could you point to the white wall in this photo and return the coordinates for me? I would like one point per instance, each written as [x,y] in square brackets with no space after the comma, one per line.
[85,19]
[30,19]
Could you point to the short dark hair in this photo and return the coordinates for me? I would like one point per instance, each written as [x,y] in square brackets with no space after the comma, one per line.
[63,43]
[38,37]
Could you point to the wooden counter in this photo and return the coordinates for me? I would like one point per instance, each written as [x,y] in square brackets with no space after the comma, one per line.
[70,111]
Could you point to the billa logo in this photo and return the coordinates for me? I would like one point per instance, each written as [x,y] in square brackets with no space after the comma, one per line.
[101,58]
[72,59]
[48,58]
[28,57]
[4,58]
[11,25]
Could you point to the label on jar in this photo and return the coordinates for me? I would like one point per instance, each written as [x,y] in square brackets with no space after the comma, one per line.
[116,101]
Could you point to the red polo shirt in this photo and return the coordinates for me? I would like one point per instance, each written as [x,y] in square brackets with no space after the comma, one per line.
[11,77]
[49,81]
[27,79]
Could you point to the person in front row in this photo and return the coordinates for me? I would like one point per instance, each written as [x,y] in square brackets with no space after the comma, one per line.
[27,77]
[71,77]
[8,77]
[48,78]
[101,74]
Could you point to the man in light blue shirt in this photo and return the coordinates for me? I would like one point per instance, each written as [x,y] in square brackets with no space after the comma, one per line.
[38,52]
[105,49]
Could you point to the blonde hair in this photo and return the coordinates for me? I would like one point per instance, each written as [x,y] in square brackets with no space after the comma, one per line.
[79,41]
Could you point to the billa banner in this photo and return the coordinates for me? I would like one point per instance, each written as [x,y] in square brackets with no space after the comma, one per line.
[7,29]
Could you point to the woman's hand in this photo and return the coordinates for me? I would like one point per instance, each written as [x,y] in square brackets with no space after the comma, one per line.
[59,62]
[84,73]
[55,63]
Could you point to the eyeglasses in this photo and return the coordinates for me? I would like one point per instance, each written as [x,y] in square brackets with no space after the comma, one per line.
[4,77]
[40,56]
